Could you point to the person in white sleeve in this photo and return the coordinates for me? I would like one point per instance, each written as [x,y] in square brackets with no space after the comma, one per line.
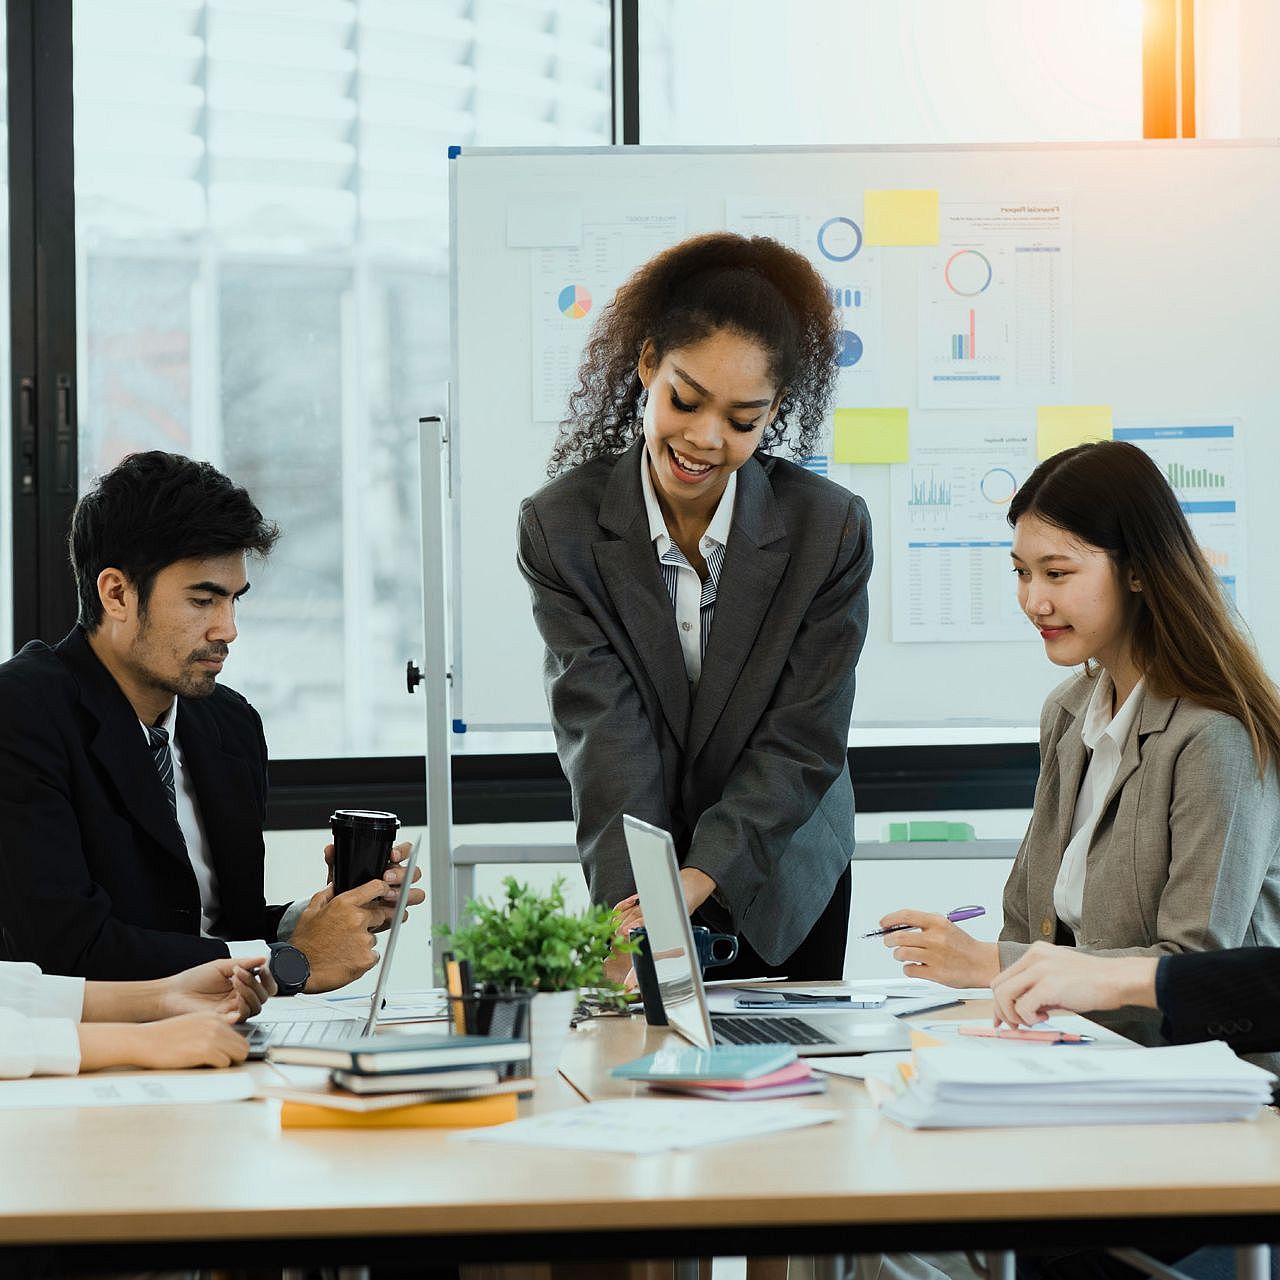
[51,1025]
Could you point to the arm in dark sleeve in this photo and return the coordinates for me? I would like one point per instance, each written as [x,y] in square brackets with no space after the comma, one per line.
[1222,995]
[802,741]
[607,746]
[51,910]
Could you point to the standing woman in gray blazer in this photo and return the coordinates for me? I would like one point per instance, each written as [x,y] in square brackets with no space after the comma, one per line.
[704,602]
[1156,822]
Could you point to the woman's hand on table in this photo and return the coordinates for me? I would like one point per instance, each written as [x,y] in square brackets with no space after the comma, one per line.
[1046,977]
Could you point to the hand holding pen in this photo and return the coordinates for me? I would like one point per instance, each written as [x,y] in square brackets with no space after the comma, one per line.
[955,915]
[934,948]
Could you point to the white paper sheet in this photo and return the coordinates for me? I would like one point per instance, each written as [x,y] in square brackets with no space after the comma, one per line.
[995,306]
[313,1009]
[1204,466]
[865,1066]
[427,1005]
[570,285]
[830,236]
[127,1089]
[952,577]
[644,1126]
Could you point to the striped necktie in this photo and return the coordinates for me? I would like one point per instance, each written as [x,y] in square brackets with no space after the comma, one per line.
[163,757]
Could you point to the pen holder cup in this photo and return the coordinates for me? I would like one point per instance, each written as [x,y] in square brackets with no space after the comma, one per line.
[714,949]
[505,1015]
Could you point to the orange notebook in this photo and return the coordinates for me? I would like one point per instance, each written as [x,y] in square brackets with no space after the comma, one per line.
[469,1113]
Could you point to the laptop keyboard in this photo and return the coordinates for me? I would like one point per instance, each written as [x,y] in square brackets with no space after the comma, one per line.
[310,1032]
[735,1030]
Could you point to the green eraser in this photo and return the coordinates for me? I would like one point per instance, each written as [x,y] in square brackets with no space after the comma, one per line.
[903,832]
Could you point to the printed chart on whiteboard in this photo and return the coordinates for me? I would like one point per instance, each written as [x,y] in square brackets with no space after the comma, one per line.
[952,577]
[1202,466]
[830,236]
[570,283]
[995,306]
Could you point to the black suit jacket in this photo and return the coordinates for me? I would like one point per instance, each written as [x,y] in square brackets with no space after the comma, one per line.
[750,773]
[1229,995]
[94,875]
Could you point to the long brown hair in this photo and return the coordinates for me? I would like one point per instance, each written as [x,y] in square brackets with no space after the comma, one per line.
[753,286]
[1185,639]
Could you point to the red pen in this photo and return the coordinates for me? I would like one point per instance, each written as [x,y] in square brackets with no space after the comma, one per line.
[1024,1033]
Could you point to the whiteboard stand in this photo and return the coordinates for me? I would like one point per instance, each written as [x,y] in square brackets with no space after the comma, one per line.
[433,451]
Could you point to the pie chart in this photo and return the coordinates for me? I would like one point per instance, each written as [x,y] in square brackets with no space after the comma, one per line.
[574,301]
[850,350]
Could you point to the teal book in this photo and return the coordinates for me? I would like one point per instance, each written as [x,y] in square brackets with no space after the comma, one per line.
[724,1062]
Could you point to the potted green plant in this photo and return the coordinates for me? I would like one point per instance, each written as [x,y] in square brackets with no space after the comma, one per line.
[528,940]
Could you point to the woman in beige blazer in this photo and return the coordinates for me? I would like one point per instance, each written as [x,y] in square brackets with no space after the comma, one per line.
[1156,822]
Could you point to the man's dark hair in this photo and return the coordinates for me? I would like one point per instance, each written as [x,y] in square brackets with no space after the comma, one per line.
[151,511]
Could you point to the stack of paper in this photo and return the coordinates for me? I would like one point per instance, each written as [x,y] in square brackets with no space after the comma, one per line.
[1056,1084]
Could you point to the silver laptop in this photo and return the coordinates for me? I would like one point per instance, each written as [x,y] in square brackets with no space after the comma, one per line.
[666,922]
[326,1031]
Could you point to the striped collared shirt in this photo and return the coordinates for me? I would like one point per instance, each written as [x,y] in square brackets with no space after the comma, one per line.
[694,600]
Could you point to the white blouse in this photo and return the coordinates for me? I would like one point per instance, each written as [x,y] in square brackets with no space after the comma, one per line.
[1105,736]
[38,1017]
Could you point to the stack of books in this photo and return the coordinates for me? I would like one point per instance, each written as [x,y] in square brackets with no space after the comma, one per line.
[738,1073]
[390,1081]
[960,1087]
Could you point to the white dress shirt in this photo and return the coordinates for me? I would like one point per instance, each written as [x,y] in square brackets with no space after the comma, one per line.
[38,1016]
[1105,737]
[694,600]
[193,834]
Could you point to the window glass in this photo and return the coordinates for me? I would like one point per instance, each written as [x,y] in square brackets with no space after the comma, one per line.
[832,72]
[261,222]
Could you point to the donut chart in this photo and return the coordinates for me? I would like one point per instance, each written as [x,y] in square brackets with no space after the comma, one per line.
[839,239]
[574,301]
[999,485]
[967,273]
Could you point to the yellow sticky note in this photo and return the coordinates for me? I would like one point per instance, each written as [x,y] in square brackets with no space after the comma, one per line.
[1063,426]
[904,216]
[870,436]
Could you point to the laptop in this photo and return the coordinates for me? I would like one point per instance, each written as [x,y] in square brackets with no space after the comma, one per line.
[666,921]
[329,1030]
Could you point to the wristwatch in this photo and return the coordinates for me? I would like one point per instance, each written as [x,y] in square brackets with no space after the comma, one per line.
[290,968]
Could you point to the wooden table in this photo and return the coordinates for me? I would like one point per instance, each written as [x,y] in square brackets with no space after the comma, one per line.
[221,1184]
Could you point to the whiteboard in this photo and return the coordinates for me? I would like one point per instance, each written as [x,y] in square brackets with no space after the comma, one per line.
[1167,314]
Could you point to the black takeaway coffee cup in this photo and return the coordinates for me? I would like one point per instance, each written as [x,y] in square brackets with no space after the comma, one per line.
[362,840]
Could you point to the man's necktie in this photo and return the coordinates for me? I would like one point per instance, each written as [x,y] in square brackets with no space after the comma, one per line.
[163,757]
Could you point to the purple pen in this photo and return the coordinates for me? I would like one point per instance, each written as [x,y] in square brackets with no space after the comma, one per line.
[955,916]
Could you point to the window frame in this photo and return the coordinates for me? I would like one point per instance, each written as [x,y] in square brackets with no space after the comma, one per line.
[42,302]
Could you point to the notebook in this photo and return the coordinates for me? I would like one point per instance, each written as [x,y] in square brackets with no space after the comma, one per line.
[263,1035]
[666,921]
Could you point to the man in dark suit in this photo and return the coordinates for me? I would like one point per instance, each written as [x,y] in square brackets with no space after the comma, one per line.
[133,787]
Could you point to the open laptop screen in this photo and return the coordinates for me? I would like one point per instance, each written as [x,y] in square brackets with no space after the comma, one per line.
[666,922]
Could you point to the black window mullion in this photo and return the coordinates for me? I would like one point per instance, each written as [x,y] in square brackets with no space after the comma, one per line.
[25,534]
[42,313]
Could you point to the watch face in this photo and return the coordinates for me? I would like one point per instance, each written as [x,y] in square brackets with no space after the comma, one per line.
[289,967]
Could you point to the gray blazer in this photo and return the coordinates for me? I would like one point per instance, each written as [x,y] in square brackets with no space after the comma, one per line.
[1186,854]
[749,774]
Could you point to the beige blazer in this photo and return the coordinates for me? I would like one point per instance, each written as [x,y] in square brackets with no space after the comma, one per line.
[1186,853]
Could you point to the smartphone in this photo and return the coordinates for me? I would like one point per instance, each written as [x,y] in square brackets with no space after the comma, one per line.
[765,999]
